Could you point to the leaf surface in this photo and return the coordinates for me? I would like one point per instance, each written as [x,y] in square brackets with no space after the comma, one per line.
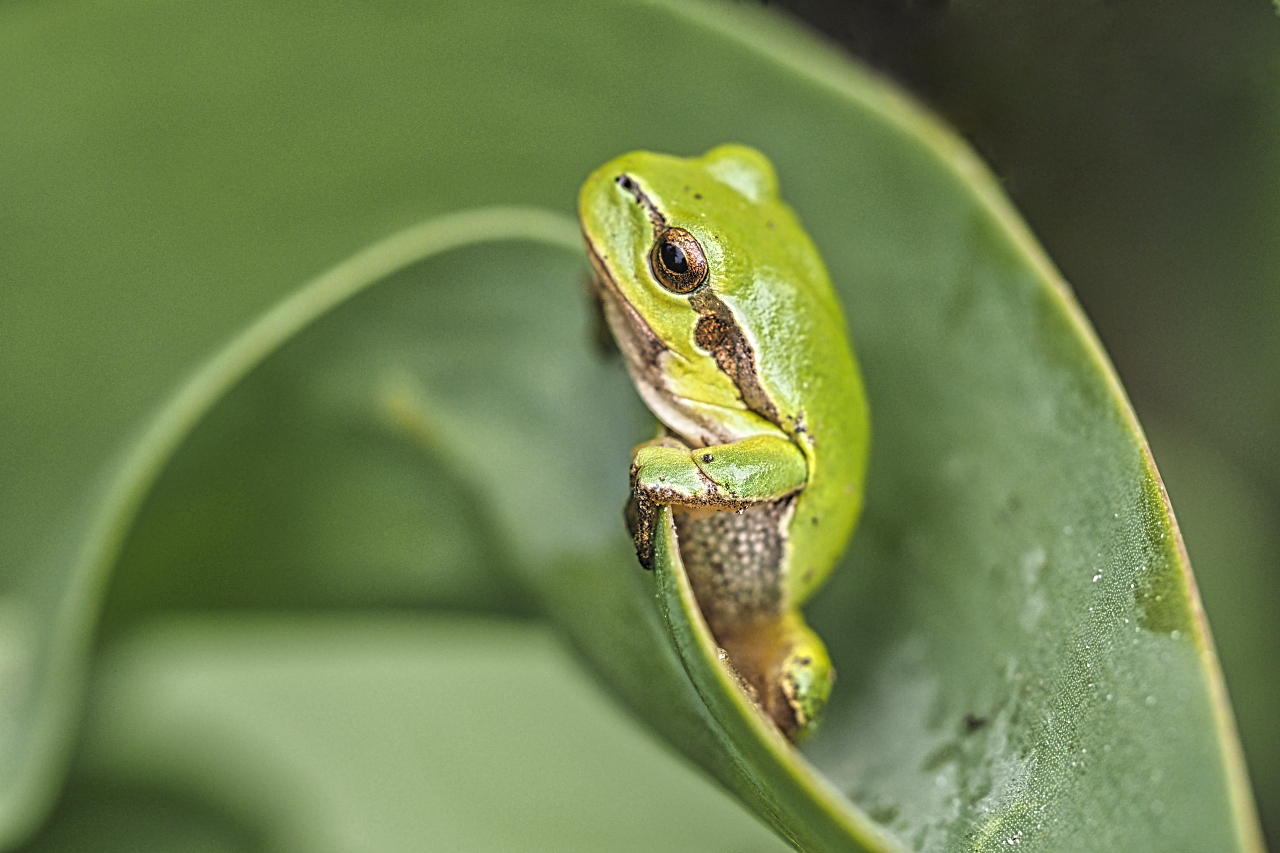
[1022,658]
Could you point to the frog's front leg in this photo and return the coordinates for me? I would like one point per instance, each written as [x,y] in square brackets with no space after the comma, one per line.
[724,477]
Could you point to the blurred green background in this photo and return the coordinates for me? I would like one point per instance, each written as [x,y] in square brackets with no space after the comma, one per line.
[1141,140]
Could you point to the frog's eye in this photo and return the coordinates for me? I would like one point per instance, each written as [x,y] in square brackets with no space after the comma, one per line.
[678,261]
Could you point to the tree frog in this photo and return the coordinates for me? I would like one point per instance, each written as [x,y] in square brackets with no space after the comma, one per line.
[733,335]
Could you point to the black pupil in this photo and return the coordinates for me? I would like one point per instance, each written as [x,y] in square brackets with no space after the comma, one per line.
[674,259]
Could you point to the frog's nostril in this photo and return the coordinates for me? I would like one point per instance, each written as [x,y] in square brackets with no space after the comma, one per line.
[630,186]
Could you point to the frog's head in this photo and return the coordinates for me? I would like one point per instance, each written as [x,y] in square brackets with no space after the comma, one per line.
[680,247]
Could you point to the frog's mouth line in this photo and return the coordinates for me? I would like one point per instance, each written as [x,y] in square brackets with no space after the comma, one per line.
[644,343]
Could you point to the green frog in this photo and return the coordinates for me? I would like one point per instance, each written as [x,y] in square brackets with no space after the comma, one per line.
[730,329]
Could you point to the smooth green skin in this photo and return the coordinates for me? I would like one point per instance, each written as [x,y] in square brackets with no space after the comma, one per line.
[813,436]
[760,468]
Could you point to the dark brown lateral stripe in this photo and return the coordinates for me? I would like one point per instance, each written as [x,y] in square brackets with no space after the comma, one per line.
[718,333]
[659,221]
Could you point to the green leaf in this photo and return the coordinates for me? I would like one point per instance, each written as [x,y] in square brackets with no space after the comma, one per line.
[201,517]
[1022,658]
[381,731]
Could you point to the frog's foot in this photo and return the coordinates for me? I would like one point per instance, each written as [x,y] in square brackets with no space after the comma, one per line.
[788,670]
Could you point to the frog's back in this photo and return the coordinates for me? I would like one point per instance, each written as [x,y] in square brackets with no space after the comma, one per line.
[789,310]
[830,424]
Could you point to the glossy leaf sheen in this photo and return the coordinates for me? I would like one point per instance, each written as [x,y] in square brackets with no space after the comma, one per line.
[1021,656]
